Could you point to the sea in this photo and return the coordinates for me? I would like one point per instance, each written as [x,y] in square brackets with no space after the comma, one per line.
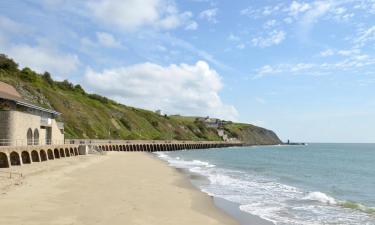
[289,185]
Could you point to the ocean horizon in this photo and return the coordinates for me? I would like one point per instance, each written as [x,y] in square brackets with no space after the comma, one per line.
[319,183]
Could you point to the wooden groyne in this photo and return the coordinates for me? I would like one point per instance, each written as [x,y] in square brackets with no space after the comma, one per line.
[151,146]
[20,155]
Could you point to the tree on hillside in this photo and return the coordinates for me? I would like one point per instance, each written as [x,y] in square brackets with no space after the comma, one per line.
[7,63]
[79,89]
[47,77]
[66,85]
[28,75]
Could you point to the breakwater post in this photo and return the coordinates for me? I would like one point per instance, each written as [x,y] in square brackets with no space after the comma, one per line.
[151,145]
[28,154]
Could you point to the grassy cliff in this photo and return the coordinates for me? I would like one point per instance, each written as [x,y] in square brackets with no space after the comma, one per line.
[92,116]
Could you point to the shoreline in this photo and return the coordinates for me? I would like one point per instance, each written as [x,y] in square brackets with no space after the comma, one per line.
[230,208]
[117,188]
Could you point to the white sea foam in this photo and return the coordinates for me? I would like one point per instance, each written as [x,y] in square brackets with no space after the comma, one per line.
[162,155]
[269,199]
[321,197]
[178,162]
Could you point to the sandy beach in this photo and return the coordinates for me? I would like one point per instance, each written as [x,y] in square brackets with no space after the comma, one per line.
[117,188]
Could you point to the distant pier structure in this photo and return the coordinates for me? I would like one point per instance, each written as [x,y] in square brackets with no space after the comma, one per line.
[294,143]
[31,134]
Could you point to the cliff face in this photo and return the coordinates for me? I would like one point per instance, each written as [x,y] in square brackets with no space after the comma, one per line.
[92,116]
[252,135]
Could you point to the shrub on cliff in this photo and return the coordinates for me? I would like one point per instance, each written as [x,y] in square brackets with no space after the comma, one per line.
[47,77]
[7,63]
[99,98]
[65,85]
[28,75]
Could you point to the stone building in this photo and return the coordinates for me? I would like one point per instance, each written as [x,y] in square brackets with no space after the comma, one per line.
[210,122]
[22,123]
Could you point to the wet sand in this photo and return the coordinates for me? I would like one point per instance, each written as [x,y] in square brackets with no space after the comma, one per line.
[231,208]
[117,188]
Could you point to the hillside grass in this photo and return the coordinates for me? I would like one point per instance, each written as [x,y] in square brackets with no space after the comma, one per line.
[93,116]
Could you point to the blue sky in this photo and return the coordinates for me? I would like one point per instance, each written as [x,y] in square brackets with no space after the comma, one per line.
[304,69]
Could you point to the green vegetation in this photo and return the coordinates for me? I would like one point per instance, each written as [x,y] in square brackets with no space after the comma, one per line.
[94,116]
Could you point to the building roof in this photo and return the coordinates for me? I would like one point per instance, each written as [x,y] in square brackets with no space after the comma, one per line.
[8,92]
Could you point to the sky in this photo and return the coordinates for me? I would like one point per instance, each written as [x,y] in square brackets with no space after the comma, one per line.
[304,69]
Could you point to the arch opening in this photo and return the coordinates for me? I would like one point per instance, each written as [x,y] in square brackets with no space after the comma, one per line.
[43,155]
[50,154]
[62,153]
[67,154]
[25,156]
[56,153]
[36,137]
[3,160]
[15,159]
[35,156]
[29,136]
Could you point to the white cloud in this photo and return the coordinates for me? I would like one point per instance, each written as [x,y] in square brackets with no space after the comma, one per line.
[368,6]
[183,89]
[133,14]
[270,24]
[306,13]
[107,40]
[268,10]
[85,41]
[326,53]
[174,20]
[340,14]
[102,39]
[40,57]
[353,62]
[43,58]
[365,36]
[344,52]
[209,14]
[289,69]
[161,48]
[241,46]
[192,26]
[246,12]
[312,15]
[297,8]
[177,42]
[274,37]
[284,68]
[266,70]
[301,67]
[261,12]
[234,38]
[350,52]
[9,25]
[339,10]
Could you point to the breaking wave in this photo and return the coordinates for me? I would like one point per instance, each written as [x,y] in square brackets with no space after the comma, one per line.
[271,200]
